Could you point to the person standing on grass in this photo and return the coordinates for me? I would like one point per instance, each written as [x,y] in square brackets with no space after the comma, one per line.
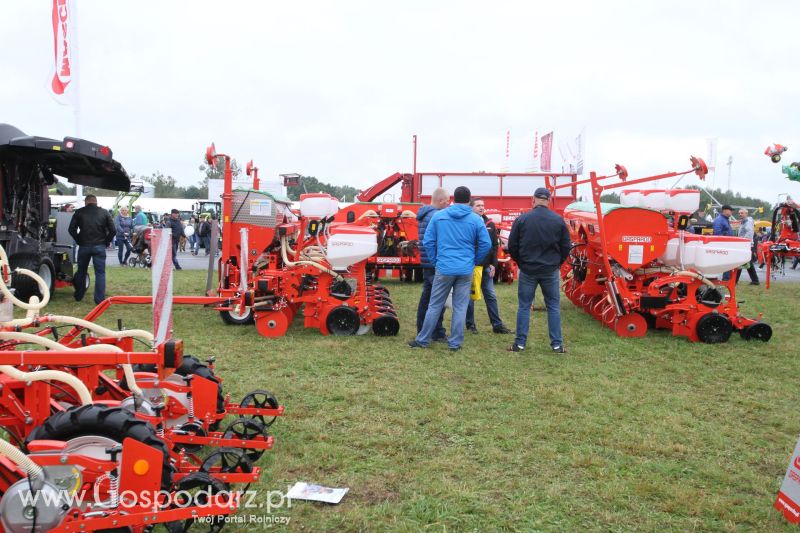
[722,226]
[93,229]
[487,279]
[124,226]
[539,243]
[439,200]
[747,230]
[455,241]
[204,231]
[175,224]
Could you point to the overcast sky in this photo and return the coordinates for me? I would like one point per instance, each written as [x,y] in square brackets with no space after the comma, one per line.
[337,89]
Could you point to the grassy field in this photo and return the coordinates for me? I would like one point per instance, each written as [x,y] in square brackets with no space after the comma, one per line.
[618,435]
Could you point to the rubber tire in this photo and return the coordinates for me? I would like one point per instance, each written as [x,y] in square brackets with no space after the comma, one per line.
[228,318]
[47,263]
[191,366]
[114,423]
[24,285]
[342,321]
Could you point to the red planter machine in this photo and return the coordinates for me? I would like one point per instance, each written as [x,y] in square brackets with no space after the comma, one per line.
[633,266]
[274,262]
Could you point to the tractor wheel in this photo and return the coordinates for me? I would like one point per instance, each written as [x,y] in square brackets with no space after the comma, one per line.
[776,158]
[386,326]
[47,271]
[25,286]
[343,320]
[758,331]
[237,319]
[713,328]
[90,427]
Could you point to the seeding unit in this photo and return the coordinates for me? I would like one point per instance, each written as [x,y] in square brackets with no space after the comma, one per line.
[634,267]
[784,240]
[274,262]
[112,433]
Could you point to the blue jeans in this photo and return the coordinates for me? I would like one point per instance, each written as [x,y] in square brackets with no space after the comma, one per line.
[424,300]
[526,291]
[193,242]
[441,288]
[123,242]
[487,289]
[97,254]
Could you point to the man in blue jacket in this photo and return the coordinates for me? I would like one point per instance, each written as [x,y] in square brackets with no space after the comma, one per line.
[455,241]
[439,200]
[539,243]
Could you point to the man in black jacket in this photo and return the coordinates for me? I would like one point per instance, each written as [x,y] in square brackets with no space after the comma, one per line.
[175,224]
[539,243]
[489,265]
[93,229]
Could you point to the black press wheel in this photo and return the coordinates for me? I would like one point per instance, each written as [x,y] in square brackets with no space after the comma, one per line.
[757,332]
[714,328]
[247,429]
[199,489]
[343,320]
[386,326]
[260,399]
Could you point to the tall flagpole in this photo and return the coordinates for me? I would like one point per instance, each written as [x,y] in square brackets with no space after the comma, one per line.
[76,64]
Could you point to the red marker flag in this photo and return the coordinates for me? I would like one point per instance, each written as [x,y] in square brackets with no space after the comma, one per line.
[63,82]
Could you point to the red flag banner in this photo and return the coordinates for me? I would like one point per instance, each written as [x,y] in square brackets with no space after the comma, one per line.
[547,151]
[161,270]
[62,82]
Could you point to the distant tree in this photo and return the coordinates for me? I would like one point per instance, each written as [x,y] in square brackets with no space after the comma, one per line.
[312,184]
[610,197]
[163,186]
[735,200]
[217,171]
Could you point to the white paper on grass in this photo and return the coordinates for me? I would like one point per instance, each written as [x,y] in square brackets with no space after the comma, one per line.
[317,493]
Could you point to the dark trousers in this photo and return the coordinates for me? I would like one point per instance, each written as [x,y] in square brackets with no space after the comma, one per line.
[97,254]
[175,252]
[424,300]
[489,296]
[751,269]
[123,242]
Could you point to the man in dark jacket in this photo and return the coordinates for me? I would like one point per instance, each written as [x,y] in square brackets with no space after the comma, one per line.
[487,279]
[539,243]
[439,200]
[93,229]
[455,241]
[722,226]
[174,223]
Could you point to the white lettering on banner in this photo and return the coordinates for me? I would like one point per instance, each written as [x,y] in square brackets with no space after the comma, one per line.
[388,260]
[637,238]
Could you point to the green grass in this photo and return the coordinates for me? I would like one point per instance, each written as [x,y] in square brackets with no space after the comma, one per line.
[618,435]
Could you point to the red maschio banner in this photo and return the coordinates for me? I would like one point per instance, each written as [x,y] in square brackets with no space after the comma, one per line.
[547,151]
[62,83]
[161,269]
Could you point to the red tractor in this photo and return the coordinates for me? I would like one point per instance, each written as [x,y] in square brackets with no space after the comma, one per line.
[275,263]
[634,266]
